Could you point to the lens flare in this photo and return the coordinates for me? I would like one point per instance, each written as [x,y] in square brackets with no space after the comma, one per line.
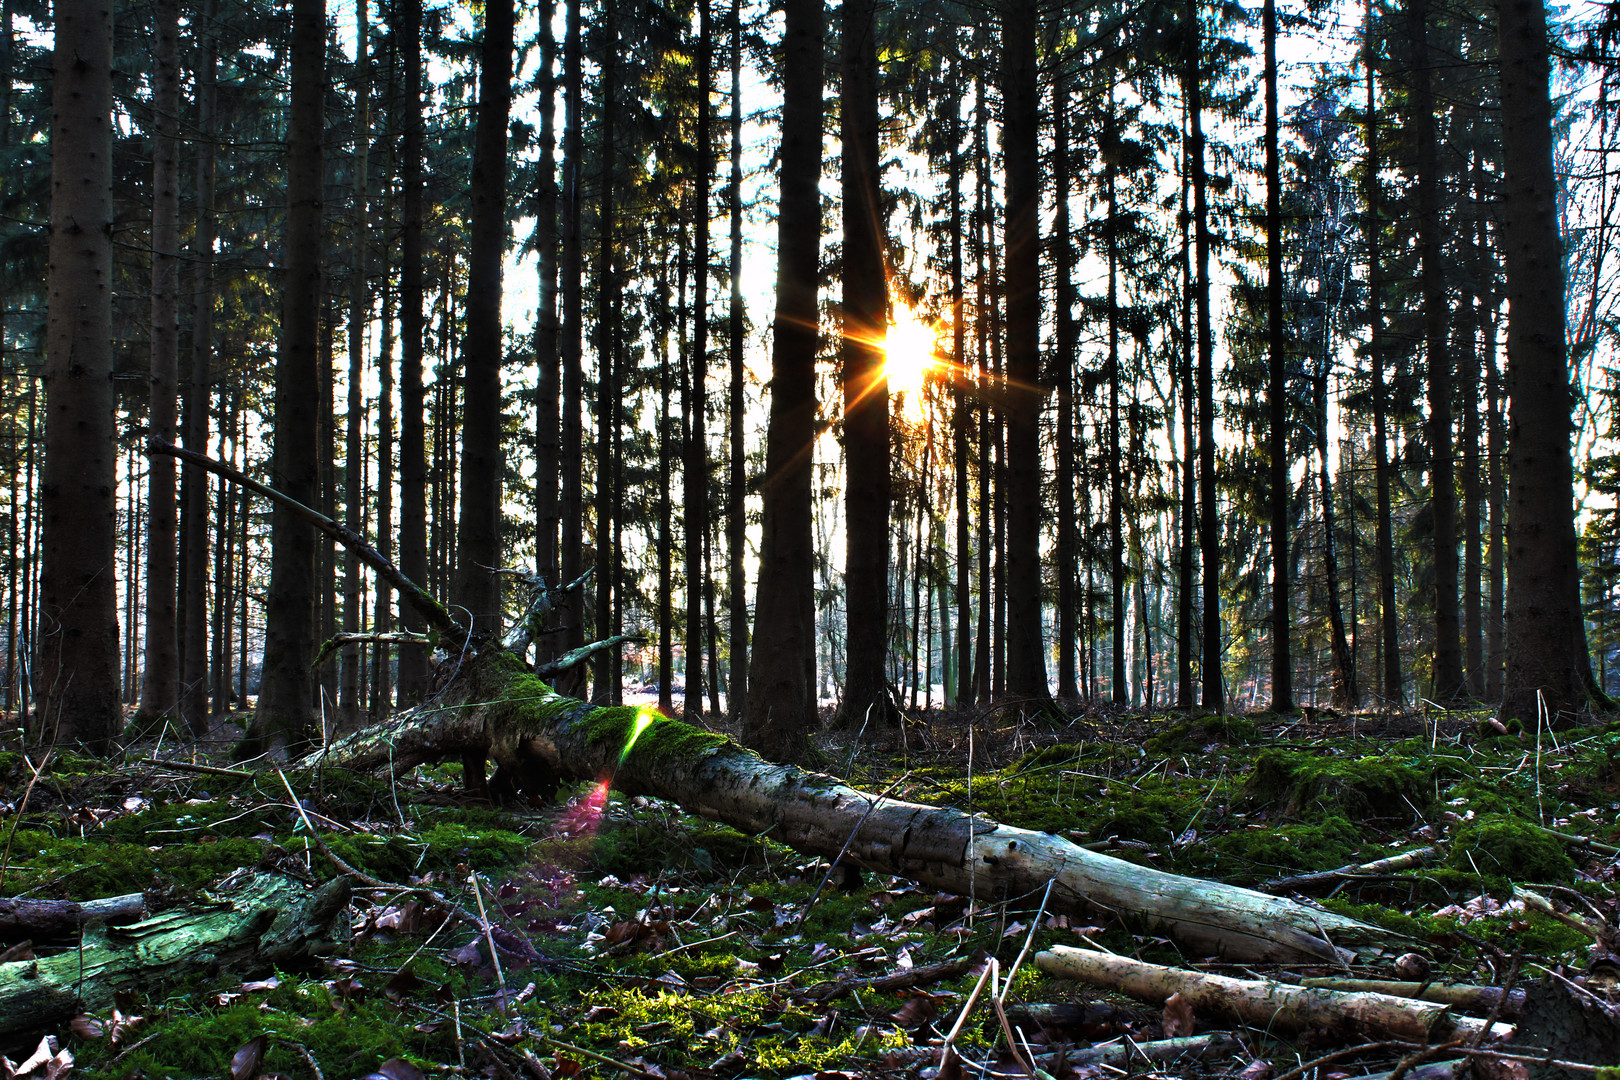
[644,720]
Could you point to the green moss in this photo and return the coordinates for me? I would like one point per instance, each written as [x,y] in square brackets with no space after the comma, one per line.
[1311,786]
[1197,732]
[1322,845]
[1504,849]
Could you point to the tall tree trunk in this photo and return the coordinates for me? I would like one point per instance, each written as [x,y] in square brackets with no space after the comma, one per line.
[1471,320]
[1544,635]
[1448,676]
[1020,140]
[1345,693]
[1116,464]
[782,679]
[983,232]
[697,452]
[962,414]
[1209,538]
[1388,616]
[382,621]
[607,382]
[572,612]
[286,690]
[478,536]
[78,666]
[737,489]
[1064,549]
[413,479]
[194,668]
[547,410]
[1496,499]
[865,385]
[1282,657]
[160,674]
[352,657]
[1186,587]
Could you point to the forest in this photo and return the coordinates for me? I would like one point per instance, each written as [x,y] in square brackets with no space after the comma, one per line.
[979,539]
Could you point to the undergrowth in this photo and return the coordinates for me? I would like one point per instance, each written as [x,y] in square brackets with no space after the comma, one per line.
[679,946]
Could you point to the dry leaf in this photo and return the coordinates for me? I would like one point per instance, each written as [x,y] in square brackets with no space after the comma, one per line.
[1178,1017]
[85,1026]
[1259,1069]
[400,1069]
[245,1062]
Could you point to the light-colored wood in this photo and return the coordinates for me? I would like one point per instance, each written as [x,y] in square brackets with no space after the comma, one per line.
[1262,1002]
[494,706]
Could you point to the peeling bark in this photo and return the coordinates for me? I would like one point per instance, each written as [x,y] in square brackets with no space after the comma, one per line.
[495,706]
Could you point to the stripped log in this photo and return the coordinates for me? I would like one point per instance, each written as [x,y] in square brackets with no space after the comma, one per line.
[1266,1003]
[493,705]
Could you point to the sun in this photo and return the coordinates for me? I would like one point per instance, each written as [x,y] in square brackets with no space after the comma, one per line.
[908,352]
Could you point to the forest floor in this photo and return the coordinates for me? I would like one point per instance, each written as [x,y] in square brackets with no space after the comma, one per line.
[673,947]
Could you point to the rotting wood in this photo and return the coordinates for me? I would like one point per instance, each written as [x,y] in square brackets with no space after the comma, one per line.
[260,921]
[494,705]
[1264,1002]
[45,919]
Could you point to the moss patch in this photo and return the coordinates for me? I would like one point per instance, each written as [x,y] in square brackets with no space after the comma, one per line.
[1504,849]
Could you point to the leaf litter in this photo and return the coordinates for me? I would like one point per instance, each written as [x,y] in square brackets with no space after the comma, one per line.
[621,937]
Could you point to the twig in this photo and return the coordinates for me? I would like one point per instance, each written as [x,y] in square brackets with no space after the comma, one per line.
[967,1010]
[1428,1053]
[309,1058]
[489,939]
[1496,1009]
[432,612]
[1029,940]
[186,766]
[1342,1052]
[22,805]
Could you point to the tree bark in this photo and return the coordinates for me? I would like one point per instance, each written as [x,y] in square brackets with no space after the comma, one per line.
[782,677]
[697,453]
[77,670]
[160,673]
[866,389]
[413,479]
[1543,634]
[1022,388]
[478,539]
[1282,657]
[737,487]
[286,706]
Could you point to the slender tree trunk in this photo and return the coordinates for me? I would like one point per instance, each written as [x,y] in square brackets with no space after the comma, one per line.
[382,621]
[782,680]
[352,656]
[1448,675]
[286,691]
[1471,320]
[737,489]
[1389,617]
[160,674]
[1345,693]
[1026,653]
[962,415]
[1064,549]
[1544,636]
[1186,586]
[697,453]
[571,612]
[607,382]
[194,671]
[1282,658]
[547,410]
[1496,498]
[478,535]
[1209,539]
[983,232]
[413,479]
[1116,464]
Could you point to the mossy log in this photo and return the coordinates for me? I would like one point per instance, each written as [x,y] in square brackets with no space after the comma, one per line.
[37,920]
[493,705]
[252,922]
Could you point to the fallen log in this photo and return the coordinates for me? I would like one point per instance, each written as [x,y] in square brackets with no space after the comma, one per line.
[1406,860]
[257,921]
[496,707]
[1266,1003]
[1480,998]
[38,920]
[492,706]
